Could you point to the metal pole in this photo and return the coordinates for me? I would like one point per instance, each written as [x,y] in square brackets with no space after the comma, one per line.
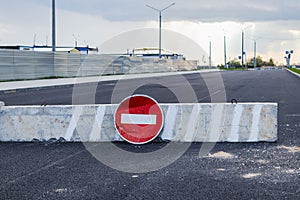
[243,49]
[159,34]
[160,24]
[254,60]
[209,54]
[53,27]
[246,60]
[225,53]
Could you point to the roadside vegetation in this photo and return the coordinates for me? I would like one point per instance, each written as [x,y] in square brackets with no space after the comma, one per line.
[296,70]
[235,64]
[233,69]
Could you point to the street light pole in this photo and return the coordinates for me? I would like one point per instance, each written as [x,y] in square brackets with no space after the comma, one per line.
[243,38]
[53,27]
[225,53]
[243,49]
[160,24]
[209,54]
[254,59]
[159,34]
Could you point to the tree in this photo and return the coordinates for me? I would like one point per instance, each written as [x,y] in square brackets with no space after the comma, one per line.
[270,63]
[235,63]
[260,62]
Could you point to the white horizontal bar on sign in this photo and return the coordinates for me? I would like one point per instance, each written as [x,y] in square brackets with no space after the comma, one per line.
[138,119]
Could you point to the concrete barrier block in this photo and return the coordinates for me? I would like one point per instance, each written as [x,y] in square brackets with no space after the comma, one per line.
[245,122]
[222,123]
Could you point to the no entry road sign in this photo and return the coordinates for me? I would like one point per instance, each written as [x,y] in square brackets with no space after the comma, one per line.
[139,119]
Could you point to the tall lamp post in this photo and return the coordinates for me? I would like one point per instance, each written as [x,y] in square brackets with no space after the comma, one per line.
[209,54]
[243,49]
[225,53]
[53,27]
[160,12]
[254,58]
[243,38]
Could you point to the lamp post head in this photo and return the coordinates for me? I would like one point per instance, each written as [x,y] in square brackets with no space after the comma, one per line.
[160,10]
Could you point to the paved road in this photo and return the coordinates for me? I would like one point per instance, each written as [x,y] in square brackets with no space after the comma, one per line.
[245,86]
[231,171]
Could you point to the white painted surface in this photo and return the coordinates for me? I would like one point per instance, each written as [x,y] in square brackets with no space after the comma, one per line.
[255,123]
[170,121]
[234,133]
[138,119]
[95,134]
[216,123]
[189,136]
[73,123]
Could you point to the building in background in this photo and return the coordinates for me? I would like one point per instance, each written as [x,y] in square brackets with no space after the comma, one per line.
[81,50]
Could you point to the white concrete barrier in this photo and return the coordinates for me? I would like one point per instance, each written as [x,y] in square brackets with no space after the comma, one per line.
[244,122]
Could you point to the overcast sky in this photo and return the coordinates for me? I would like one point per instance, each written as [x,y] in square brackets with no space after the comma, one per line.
[274,24]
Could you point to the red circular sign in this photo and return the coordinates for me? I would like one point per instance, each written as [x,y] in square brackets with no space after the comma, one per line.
[139,119]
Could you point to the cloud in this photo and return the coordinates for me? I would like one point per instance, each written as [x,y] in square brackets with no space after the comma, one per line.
[4,28]
[96,21]
[203,10]
[148,37]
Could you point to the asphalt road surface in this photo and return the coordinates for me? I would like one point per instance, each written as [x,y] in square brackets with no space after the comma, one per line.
[54,170]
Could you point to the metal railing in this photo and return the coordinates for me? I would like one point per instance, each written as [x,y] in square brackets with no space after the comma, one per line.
[21,65]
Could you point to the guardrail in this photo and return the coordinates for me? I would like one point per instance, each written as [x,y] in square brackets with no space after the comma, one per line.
[20,65]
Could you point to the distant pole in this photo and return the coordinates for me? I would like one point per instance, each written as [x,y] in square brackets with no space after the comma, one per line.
[53,27]
[225,53]
[76,40]
[243,49]
[34,40]
[160,24]
[209,54]
[160,34]
[254,59]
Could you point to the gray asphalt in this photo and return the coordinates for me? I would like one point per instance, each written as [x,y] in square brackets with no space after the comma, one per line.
[231,170]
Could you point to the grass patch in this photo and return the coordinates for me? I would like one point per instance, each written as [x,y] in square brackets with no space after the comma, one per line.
[233,69]
[295,70]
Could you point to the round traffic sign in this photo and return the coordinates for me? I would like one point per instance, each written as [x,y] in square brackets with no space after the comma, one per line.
[138,119]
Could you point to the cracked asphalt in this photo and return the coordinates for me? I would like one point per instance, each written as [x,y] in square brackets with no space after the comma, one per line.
[55,170]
